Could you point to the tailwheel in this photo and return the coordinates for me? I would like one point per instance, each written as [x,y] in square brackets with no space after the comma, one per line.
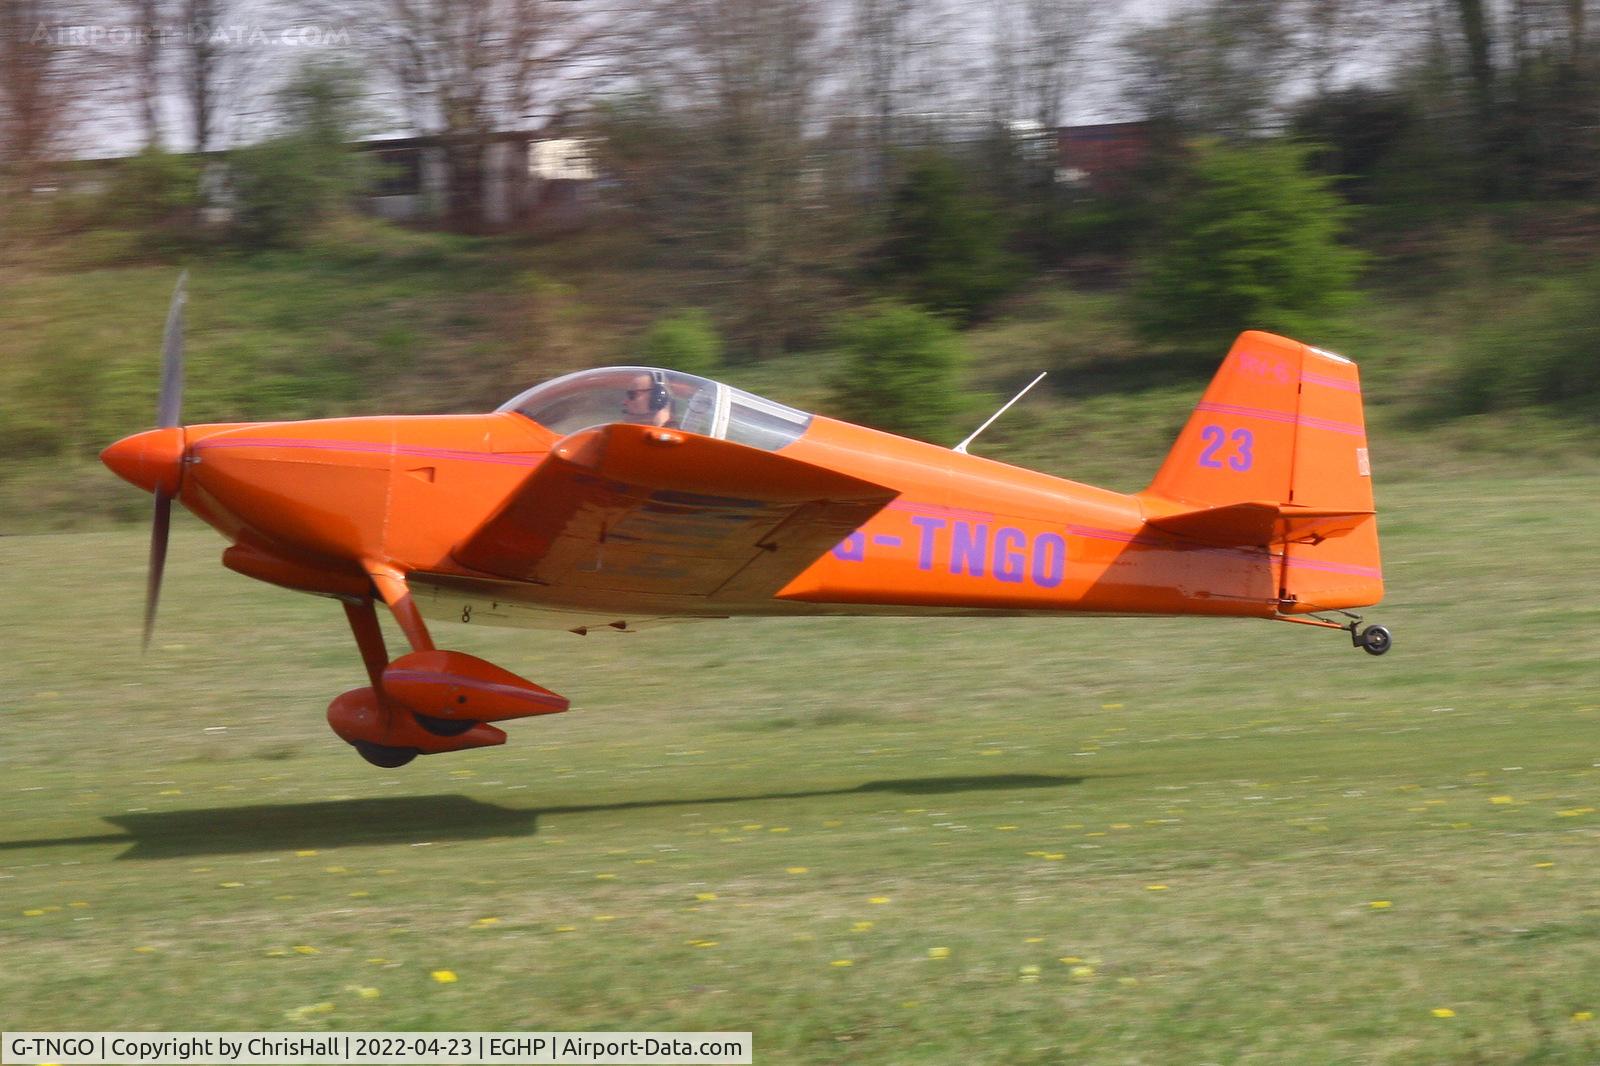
[1375,640]
[383,755]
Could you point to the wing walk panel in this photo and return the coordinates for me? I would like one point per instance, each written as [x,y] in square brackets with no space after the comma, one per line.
[636,509]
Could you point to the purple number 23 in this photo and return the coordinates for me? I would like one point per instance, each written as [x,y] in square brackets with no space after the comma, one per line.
[1215,437]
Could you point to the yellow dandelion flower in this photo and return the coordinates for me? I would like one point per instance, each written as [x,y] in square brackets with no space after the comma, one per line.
[484,923]
[145,951]
[378,962]
[306,853]
[991,751]
[1155,888]
[368,993]
[566,929]
[832,823]
[842,963]
[1380,904]
[1543,865]
[779,829]
[33,912]
[1443,1012]
[938,953]
[1111,706]
[1005,828]
[705,897]
[861,927]
[1121,825]
[1033,940]
[335,870]
[799,869]
[879,900]
[1057,856]
[78,903]
[306,949]
[1083,973]
[751,828]
[172,792]
[605,918]
[445,977]
[605,877]
[1583,1015]
[1501,800]
[1070,960]
[360,893]
[277,953]
[643,862]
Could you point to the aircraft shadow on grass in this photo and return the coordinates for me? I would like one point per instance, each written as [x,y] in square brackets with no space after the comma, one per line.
[430,819]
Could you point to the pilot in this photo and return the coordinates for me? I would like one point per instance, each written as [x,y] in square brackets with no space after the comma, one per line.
[647,401]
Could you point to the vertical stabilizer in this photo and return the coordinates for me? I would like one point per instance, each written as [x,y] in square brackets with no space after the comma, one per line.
[1280,429]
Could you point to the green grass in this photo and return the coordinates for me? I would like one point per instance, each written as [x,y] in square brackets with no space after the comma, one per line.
[710,832]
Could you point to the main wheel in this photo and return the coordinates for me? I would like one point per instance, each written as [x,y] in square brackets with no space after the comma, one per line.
[1376,640]
[383,755]
[443,727]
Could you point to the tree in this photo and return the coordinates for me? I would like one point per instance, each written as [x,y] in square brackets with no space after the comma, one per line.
[945,244]
[34,88]
[465,69]
[1217,68]
[902,371]
[288,184]
[1254,245]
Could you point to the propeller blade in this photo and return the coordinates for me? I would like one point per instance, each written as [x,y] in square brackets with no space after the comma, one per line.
[172,358]
[159,530]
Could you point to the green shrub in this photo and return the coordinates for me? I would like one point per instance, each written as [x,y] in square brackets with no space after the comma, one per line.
[1254,244]
[686,341]
[153,191]
[1544,355]
[902,371]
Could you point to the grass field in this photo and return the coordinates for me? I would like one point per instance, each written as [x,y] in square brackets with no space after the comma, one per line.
[907,841]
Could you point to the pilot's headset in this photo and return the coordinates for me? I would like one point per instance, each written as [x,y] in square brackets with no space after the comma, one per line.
[659,397]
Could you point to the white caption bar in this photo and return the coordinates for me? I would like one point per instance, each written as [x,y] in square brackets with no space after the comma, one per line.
[373,1049]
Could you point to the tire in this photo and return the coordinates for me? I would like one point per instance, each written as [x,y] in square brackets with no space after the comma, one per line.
[383,755]
[443,727]
[1376,640]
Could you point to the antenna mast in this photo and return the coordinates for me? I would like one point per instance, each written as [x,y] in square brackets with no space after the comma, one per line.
[962,447]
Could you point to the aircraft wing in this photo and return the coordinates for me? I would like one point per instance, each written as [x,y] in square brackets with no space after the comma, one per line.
[642,510]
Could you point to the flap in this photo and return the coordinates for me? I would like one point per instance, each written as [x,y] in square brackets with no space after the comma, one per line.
[640,509]
[1258,522]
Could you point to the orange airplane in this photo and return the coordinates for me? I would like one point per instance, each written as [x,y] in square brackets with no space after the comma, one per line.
[617,497]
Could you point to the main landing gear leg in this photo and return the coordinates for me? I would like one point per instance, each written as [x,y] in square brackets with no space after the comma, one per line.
[366,709]
[391,585]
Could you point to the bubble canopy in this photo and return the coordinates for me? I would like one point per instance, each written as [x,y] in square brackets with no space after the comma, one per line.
[651,396]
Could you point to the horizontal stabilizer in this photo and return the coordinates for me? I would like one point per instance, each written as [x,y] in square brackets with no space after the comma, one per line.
[1257,523]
